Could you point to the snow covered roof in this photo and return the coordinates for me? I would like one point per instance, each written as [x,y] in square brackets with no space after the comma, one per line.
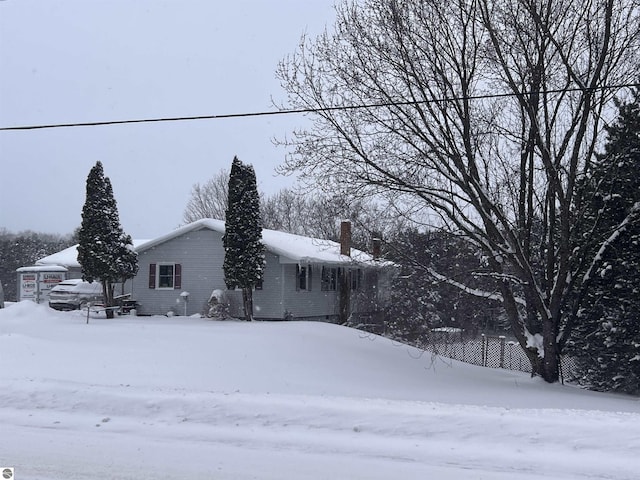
[288,247]
[42,268]
[69,256]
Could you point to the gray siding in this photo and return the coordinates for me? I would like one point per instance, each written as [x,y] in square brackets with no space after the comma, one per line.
[314,303]
[267,303]
[201,255]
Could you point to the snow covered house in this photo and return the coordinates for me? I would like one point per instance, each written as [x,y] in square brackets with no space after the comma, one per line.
[304,278]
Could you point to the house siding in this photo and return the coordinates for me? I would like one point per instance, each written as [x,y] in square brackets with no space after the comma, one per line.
[199,251]
[201,254]
[318,304]
[303,304]
[267,303]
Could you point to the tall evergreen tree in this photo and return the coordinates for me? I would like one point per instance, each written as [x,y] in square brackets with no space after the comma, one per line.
[244,252]
[606,342]
[105,252]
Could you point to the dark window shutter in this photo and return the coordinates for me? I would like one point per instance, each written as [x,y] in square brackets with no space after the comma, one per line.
[152,275]
[177,276]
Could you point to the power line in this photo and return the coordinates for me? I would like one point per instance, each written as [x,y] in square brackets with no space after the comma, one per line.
[398,103]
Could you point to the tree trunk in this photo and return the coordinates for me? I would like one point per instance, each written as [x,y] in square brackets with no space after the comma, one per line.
[550,371]
[247,301]
[107,290]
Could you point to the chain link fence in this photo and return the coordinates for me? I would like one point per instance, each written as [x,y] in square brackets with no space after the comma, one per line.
[493,351]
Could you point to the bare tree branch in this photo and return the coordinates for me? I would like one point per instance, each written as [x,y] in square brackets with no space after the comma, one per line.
[501,171]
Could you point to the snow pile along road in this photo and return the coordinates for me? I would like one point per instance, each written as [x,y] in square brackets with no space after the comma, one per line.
[183,397]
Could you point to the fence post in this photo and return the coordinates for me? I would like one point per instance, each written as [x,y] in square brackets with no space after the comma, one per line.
[502,339]
[483,353]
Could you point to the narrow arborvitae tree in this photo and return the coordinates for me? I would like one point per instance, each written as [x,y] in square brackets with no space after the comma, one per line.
[606,339]
[244,252]
[105,252]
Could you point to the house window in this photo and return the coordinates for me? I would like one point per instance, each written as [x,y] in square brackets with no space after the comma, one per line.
[165,276]
[303,275]
[356,279]
[329,278]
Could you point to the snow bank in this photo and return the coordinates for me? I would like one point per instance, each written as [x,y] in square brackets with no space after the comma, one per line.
[179,397]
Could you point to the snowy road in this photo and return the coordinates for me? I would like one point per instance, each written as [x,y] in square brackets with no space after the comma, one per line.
[153,434]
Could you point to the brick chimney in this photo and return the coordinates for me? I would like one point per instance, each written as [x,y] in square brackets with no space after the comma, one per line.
[345,238]
[375,248]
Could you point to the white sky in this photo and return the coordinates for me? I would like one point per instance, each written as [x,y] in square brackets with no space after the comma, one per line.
[68,61]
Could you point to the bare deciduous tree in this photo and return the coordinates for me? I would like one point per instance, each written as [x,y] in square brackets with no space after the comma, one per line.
[293,211]
[208,200]
[482,112]
[319,216]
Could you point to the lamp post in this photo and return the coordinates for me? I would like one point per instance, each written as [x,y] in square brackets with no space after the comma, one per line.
[185,299]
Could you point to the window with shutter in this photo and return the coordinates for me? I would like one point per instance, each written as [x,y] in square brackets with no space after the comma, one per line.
[356,279]
[329,278]
[301,273]
[165,275]
[303,277]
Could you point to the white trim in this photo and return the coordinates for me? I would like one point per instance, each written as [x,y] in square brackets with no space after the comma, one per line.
[173,276]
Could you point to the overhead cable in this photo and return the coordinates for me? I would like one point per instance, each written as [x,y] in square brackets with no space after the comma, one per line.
[398,103]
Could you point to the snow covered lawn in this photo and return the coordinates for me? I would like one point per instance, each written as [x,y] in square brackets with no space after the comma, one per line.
[155,397]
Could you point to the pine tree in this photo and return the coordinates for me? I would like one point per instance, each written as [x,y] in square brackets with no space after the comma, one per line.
[105,252]
[606,342]
[419,304]
[244,252]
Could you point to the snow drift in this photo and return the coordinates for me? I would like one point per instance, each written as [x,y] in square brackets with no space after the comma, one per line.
[180,397]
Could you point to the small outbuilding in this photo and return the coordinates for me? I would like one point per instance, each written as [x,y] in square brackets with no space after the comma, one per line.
[35,282]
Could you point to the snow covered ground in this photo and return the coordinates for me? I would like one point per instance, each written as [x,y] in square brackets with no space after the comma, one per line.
[155,397]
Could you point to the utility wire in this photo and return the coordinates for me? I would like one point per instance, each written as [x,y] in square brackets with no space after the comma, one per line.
[399,103]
